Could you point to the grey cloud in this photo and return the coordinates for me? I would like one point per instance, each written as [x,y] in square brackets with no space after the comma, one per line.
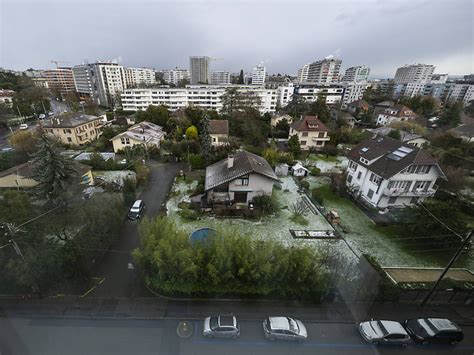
[381,34]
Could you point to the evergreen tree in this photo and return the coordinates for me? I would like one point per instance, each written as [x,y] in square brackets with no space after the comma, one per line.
[51,169]
[321,109]
[205,138]
[294,145]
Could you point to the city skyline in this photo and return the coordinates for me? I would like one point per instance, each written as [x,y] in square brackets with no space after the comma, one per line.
[359,34]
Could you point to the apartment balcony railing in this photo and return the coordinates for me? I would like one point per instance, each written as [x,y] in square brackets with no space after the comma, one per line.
[320,138]
[411,193]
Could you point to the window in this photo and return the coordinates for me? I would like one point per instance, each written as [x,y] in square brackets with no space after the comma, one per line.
[392,200]
[352,165]
[375,179]
[359,175]
[69,139]
[411,169]
[370,194]
[319,143]
[349,178]
[214,139]
[304,134]
[423,169]
[303,142]
[322,134]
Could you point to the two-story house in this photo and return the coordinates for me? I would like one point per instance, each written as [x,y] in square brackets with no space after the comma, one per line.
[237,179]
[396,113]
[219,132]
[311,132]
[385,172]
[75,128]
[145,133]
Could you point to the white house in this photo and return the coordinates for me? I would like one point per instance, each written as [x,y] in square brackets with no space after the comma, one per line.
[396,113]
[219,132]
[414,139]
[385,172]
[238,179]
[299,170]
[145,133]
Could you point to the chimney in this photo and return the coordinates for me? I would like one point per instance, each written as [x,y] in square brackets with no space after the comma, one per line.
[230,161]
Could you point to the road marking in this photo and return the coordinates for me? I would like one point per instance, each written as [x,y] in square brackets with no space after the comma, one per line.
[93,287]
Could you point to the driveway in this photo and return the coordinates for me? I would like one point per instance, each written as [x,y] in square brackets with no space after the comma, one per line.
[117,270]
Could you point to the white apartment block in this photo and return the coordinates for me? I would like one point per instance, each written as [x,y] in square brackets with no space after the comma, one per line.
[258,74]
[324,71]
[414,89]
[310,92]
[353,91]
[102,82]
[439,78]
[414,73]
[285,94]
[461,93]
[203,96]
[357,74]
[139,76]
[220,77]
[385,172]
[396,113]
[174,76]
[302,75]
[199,68]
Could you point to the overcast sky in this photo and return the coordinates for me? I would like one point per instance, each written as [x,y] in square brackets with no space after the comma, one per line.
[285,35]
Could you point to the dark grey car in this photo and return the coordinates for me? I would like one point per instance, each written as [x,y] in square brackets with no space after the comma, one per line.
[221,326]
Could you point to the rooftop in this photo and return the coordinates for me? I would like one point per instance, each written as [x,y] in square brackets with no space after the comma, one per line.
[219,127]
[464,130]
[146,132]
[244,163]
[26,170]
[69,120]
[309,123]
[390,156]
[404,135]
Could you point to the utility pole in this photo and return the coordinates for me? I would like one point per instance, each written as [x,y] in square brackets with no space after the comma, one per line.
[12,230]
[454,258]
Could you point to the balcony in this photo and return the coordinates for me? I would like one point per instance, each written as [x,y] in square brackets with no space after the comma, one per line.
[411,193]
[315,139]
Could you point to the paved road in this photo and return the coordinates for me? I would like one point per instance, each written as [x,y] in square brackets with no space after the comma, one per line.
[121,278]
[51,336]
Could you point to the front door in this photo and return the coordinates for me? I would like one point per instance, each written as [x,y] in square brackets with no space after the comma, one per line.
[240,197]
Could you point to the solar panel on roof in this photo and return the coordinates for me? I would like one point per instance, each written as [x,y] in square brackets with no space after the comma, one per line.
[405,149]
[364,149]
[400,154]
[394,157]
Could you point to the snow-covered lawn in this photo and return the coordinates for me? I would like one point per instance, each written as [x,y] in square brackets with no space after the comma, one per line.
[273,227]
[331,164]
[365,237]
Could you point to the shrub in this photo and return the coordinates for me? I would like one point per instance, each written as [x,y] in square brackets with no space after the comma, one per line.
[265,203]
[142,173]
[317,196]
[299,219]
[304,184]
[196,161]
[189,214]
[330,150]
[315,171]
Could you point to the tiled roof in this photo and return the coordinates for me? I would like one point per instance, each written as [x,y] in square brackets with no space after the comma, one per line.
[26,170]
[309,123]
[218,127]
[244,163]
[404,135]
[380,148]
[69,120]
[401,111]
[465,130]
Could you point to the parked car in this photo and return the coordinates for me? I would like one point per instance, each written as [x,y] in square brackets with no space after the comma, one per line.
[221,326]
[434,330]
[136,210]
[384,332]
[23,126]
[42,116]
[284,328]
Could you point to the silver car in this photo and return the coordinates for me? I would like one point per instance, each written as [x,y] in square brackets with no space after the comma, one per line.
[284,328]
[384,332]
[221,326]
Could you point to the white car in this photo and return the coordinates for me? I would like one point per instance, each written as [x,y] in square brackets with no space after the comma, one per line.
[284,328]
[23,126]
[384,332]
[42,116]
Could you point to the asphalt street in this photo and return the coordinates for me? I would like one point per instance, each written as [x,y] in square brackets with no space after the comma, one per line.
[117,270]
[51,336]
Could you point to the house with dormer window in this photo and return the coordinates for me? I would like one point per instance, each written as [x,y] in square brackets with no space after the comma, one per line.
[311,132]
[385,172]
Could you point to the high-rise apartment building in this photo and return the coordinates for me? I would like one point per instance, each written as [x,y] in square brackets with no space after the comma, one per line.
[60,81]
[200,70]
[139,77]
[258,74]
[303,74]
[220,77]
[414,73]
[356,74]
[174,76]
[324,71]
[102,82]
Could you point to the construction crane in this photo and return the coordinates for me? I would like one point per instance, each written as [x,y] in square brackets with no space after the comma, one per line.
[58,61]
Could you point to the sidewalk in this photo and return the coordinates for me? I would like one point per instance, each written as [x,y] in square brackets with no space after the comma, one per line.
[155,308]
